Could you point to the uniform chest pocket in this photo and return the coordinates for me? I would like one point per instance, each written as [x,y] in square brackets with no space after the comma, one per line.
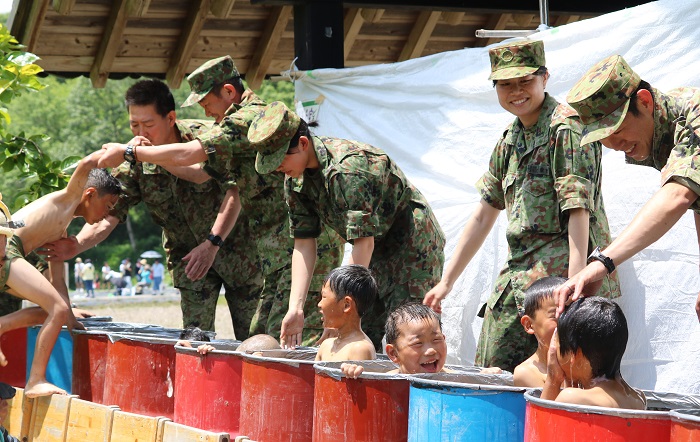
[156,188]
[540,208]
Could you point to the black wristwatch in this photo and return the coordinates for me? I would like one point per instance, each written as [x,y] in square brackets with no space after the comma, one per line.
[130,155]
[607,262]
[216,240]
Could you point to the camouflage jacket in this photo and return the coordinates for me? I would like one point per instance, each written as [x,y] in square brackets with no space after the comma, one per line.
[359,192]
[232,160]
[186,211]
[536,175]
[675,148]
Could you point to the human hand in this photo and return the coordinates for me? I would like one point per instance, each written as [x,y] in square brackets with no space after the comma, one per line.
[80,313]
[113,155]
[183,343]
[60,250]
[351,371]
[588,279]
[204,349]
[138,140]
[327,333]
[555,374]
[72,323]
[292,327]
[434,297]
[199,260]
[491,370]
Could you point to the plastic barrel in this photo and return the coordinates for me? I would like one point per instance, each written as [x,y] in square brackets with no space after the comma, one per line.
[14,346]
[373,407]
[465,407]
[548,420]
[277,396]
[59,370]
[685,425]
[140,373]
[208,388]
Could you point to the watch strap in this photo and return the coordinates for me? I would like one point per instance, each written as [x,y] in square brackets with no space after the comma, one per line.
[597,255]
[215,239]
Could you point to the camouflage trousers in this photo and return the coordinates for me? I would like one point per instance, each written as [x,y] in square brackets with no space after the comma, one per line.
[199,306]
[503,342]
[274,304]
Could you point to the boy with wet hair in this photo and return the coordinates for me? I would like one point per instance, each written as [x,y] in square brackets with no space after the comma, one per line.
[415,341]
[348,292]
[539,320]
[90,194]
[586,351]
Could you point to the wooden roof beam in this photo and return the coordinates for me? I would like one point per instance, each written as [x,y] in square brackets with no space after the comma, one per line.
[496,22]
[372,15]
[221,8]
[63,7]
[190,33]
[419,35]
[565,20]
[269,41]
[453,18]
[111,39]
[352,25]
[137,8]
[35,17]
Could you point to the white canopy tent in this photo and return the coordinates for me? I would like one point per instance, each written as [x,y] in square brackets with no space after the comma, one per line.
[439,118]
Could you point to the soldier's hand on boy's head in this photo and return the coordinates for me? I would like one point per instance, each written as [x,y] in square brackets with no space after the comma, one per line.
[434,297]
[139,140]
[554,370]
[583,284]
[352,371]
[327,333]
[112,156]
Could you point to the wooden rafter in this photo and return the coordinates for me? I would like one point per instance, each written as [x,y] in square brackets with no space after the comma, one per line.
[352,25]
[188,38]
[137,8]
[372,15]
[35,18]
[495,22]
[221,8]
[453,18]
[63,7]
[269,40]
[565,20]
[419,35]
[111,39]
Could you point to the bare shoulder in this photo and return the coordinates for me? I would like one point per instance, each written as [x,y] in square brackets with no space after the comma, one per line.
[360,351]
[593,397]
[528,375]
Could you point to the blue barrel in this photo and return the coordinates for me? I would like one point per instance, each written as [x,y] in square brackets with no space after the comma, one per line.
[465,407]
[59,370]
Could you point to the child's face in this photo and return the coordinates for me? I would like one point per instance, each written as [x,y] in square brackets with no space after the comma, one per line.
[96,207]
[331,308]
[544,321]
[420,347]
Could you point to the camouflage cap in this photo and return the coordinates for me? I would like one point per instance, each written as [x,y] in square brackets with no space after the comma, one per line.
[602,96]
[517,59]
[270,133]
[205,77]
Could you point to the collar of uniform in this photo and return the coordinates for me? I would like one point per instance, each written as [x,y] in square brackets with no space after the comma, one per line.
[309,180]
[542,135]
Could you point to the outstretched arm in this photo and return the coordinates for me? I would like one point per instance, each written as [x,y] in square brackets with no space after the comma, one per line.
[303,263]
[77,181]
[176,154]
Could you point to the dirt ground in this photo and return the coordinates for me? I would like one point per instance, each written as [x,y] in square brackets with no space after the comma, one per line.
[165,313]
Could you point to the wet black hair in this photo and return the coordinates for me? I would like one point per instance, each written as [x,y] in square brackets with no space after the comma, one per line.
[103,182]
[634,107]
[151,91]
[539,291]
[407,312]
[598,327]
[193,333]
[355,281]
[236,82]
[541,71]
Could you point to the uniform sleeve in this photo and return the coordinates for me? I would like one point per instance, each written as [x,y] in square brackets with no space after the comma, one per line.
[303,221]
[576,170]
[356,196]
[131,190]
[684,161]
[490,185]
[222,144]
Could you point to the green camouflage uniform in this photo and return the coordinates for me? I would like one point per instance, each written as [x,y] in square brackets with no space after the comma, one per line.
[601,97]
[231,160]
[186,212]
[359,192]
[536,174]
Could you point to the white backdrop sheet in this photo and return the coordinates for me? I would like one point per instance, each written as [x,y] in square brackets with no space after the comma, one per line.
[438,117]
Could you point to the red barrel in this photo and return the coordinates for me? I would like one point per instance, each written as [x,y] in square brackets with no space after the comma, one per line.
[208,388]
[551,421]
[89,364]
[373,407]
[140,373]
[277,396]
[685,425]
[14,346]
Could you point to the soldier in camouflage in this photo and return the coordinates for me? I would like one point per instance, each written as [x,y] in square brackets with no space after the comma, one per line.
[358,191]
[218,88]
[186,211]
[655,129]
[549,186]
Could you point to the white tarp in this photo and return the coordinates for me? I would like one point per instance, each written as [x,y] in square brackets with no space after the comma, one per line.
[439,118]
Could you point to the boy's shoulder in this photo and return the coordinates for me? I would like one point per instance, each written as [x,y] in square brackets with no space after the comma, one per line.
[528,374]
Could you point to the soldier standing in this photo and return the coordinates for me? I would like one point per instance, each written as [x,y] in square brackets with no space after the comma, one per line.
[549,186]
[358,191]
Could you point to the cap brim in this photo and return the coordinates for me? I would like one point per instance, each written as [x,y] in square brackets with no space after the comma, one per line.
[194,98]
[515,72]
[265,164]
[604,127]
